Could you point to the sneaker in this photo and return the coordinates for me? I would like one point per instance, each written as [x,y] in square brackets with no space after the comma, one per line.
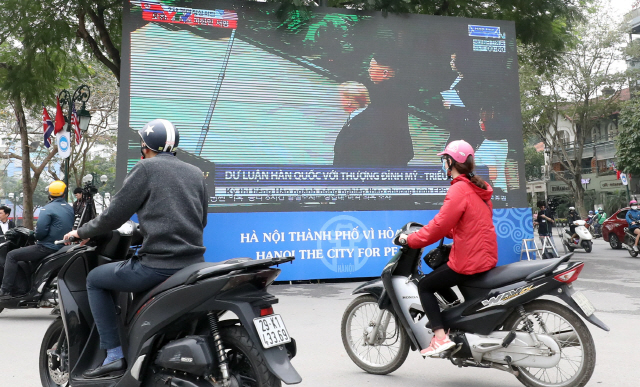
[635,248]
[437,346]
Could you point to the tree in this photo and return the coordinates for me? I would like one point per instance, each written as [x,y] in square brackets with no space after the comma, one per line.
[95,23]
[628,141]
[533,162]
[544,27]
[572,93]
[33,66]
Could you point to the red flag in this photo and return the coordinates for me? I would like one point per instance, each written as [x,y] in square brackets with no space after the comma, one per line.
[59,118]
[75,124]
[47,126]
[617,175]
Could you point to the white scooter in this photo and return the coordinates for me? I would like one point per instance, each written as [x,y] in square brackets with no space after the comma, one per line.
[584,237]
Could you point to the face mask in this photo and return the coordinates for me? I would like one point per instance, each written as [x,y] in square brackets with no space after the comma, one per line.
[634,207]
[445,167]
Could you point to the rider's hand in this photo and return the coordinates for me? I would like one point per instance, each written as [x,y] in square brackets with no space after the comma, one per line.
[74,234]
[402,239]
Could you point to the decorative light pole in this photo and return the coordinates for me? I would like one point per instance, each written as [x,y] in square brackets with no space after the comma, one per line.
[81,94]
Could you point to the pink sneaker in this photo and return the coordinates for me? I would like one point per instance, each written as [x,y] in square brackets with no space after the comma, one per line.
[437,346]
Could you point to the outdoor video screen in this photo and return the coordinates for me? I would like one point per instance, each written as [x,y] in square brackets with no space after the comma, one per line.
[322,109]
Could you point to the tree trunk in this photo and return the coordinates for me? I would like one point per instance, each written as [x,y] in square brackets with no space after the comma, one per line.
[27,191]
[579,195]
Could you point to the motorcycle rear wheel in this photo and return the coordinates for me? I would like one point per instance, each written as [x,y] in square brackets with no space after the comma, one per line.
[245,360]
[557,319]
[53,377]
[360,316]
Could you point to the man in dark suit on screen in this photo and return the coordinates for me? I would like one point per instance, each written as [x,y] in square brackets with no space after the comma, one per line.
[5,222]
[379,135]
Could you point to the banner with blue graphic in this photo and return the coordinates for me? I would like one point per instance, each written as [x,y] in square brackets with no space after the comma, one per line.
[330,245]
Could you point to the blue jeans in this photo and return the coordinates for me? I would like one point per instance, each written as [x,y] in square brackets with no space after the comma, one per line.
[127,276]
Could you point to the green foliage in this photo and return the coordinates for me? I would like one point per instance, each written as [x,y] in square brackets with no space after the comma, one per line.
[628,141]
[542,26]
[533,161]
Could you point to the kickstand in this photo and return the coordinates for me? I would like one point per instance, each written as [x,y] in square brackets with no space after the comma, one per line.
[511,368]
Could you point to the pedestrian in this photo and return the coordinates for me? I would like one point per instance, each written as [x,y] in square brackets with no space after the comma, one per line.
[78,205]
[545,222]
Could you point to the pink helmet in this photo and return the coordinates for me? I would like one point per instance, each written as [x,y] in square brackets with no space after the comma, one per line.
[632,202]
[458,150]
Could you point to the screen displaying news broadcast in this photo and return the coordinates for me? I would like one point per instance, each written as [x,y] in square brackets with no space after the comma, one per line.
[325,110]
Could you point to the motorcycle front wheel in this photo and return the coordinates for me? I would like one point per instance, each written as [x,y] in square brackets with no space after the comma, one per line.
[54,363]
[577,350]
[390,345]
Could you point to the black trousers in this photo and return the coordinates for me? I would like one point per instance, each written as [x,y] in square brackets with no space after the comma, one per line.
[440,281]
[11,269]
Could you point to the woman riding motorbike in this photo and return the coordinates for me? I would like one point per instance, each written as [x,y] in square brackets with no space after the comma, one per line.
[633,218]
[465,217]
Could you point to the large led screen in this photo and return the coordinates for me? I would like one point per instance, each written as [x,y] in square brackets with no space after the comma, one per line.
[326,109]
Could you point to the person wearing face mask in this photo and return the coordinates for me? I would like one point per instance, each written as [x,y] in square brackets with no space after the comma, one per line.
[600,217]
[633,218]
[466,217]
[572,217]
[173,239]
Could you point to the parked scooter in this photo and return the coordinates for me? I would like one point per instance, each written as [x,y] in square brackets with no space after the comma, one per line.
[629,240]
[502,322]
[174,334]
[584,240]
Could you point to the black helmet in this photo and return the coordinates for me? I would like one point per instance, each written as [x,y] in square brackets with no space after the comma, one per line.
[160,136]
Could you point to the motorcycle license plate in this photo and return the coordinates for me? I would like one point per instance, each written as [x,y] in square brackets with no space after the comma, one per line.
[271,330]
[584,303]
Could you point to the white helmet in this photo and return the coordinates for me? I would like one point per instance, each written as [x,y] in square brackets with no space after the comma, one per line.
[572,208]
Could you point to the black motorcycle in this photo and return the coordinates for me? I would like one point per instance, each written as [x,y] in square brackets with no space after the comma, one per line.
[208,325]
[629,240]
[501,322]
[36,281]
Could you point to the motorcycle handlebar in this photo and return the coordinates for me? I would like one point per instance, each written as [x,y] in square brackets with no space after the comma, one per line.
[70,240]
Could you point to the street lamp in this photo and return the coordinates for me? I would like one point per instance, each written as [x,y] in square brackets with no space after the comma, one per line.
[12,196]
[82,94]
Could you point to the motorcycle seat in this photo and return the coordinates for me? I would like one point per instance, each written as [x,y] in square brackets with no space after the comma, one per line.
[513,272]
[177,279]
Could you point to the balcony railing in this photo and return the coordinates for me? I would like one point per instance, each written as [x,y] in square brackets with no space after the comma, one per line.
[586,172]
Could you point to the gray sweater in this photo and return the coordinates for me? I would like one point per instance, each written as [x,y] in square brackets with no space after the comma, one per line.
[170,198]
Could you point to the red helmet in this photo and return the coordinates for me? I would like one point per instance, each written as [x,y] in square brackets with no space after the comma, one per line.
[458,150]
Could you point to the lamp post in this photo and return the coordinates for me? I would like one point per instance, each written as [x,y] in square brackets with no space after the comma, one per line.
[82,94]
[12,196]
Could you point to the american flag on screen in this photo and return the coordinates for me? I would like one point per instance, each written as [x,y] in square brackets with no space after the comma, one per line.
[75,123]
[47,126]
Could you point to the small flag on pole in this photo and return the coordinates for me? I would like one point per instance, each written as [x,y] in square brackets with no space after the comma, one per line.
[47,126]
[59,118]
[75,123]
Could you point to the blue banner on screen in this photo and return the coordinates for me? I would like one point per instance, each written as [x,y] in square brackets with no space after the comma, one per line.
[298,118]
[338,244]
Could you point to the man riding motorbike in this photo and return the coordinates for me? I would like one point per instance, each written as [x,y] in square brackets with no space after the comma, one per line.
[465,217]
[600,217]
[633,218]
[171,201]
[572,217]
[56,219]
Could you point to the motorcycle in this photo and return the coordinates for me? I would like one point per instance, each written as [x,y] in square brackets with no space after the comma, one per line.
[36,281]
[629,240]
[584,240]
[501,322]
[173,335]
[39,279]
